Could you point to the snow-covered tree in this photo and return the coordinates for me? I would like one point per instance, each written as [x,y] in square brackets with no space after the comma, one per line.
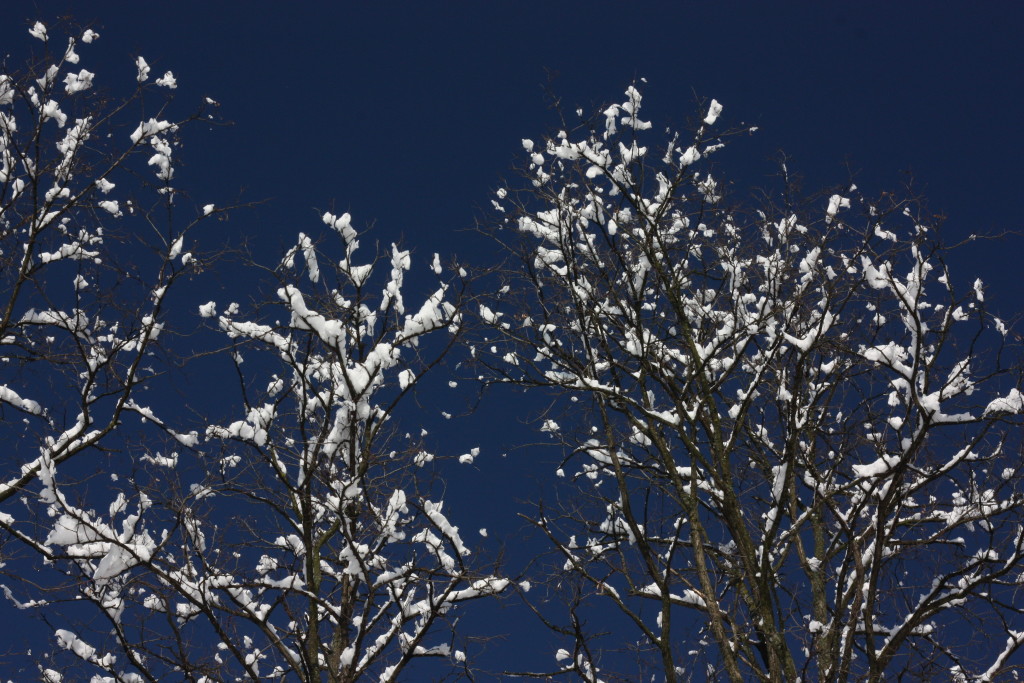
[301,538]
[793,434]
[347,565]
[79,318]
[93,234]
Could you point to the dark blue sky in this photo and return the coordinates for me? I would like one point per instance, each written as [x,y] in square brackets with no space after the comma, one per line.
[409,114]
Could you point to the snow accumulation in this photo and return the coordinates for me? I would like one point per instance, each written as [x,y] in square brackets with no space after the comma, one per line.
[1013,402]
[143,69]
[149,128]
[38,30]
[835,203]
[78,82]
[714,111]
[11,397]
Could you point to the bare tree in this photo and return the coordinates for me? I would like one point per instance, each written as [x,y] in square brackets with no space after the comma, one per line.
[794,442]
[353,566]
[303,538]
[791,436]
[77,319]
[93,233]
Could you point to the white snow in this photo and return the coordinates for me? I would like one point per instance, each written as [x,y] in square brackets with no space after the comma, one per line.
[176,247]
[714,111]
[9,396]
[1013,402]
[835,203]
[167,81]
[69,641]
[149,128]
[38,30]
[78,82]
[690,156]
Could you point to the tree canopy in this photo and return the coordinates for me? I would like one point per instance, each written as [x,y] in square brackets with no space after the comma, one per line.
[789,436]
